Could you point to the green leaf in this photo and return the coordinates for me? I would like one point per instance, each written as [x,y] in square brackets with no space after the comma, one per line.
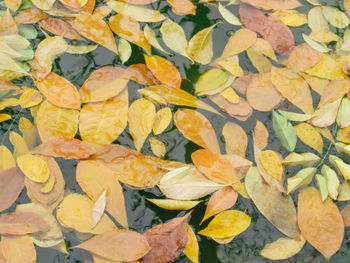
[27,31]
[332,181]
[228,16]
[302,178]
[322,186]
[284,131]
[293,116]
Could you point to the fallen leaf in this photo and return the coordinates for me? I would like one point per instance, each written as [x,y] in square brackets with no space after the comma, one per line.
[19,144]
[173,204]
[261,135]
[151,37]
[167,241]
[162,120]
[345,213]
[265,47]
[335,17]
[320,222]
[305,159]
[276,207]
[11,185]
[284,131]
[30,16]
[309,136]
[273,4]
[259,61]
[303,57]
[272,163]
[283,248]
[327,68]
[291,18]
[48,185]
[343,113]
[302,178]
[158,147]
[236,140]
[18,249]
[103,84]
[240,41]
[141,116]
[325,115]
[99,208]
[211,80]
[253,18]
[196,127]
[183,7]
[322,186]
[34,167]
[332,181]
[59,27]
[335,90]
[229,16]
[117,245]
[320,47]
[191,249]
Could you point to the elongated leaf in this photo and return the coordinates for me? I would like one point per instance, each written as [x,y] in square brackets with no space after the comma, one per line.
[11,185]
[276,207]
[235,138]
[291,18]
[228,16]
[302,178]
[191,249]
[283,248]
[211,80]
[320,222]
[151,37]
[273,4]
[174,204]
[158,147]
[305,159]
[284,131]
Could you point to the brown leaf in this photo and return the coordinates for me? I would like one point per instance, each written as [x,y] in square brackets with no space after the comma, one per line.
[30,16]
[196,127]
[320,222]
[103,84]
[59,27]
[141,74]
[166,240]
[221,200]
[95,29]
[59,91]
[235,138]
[21,223]
[274,4]
[18,249]
[214,166]
[66,148]
[118,245]
[94,185]
[11,185]
[303,57]
[253,18]
[241,84]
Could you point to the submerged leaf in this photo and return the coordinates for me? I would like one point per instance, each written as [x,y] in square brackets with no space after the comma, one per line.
[283,248]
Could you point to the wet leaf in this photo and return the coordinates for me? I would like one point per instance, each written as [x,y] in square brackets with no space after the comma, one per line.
[101,123]
[291,18]
[332,181]
[95,29]
[284,131]
[309,136]
[343,113]
[118,245]
[79,50]
[305,159]
[186,184]
[183,7]
[191,249]
[162,120]
[211,80]
[5,117]
[66,148]
[335,90]
[343,135]
[19,144]
[106,180]
[265,47]
[59,27]
[316,45]
[320,222]
[18,249]
[344,191]
[30,98]
[174,37]
[261,135]
[200,46]
[293,116]
[48,185]
[99,208]
[303,57]
[103,84]
[125,50]
[235,138]
[228,16]
[259,61]
[34,167]
[273,4]
[54,122]
[241,111]
[240,41]
[174,204]
[21,223]
[166,240]
[158,147]
[163,70]
[283,248]
[227,224]
[221,200]
[75,212]
[302,178]
[11,185]
[196,127]
[335,17]
[151,37]
[276,207]
[141,117]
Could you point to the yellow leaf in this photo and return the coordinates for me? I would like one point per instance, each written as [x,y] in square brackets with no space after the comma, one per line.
[48,185]
[305,159]
[283,248]
[34,167]
[262,64]
[291,17]
[302,178]
[158,147]
[30,97]
[191,249]
[228,16]
[211,80]
[325,115]
[265,47]
[151,37]
[174,204]
[6,159]
[101,123]
[230,95]
[240,41]
[272,163]
[343,135]
[316,20]
[335,17]
[324,36]
[316,45]
[227,224]
[141,116]
[235,138]
[79,49]
[310,136]
[332,181]
[19,144]
[327,68]
[75,212]
[7,63]
[29,132]
[162,120]
[5,117]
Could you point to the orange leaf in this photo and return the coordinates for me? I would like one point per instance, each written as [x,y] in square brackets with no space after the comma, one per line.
[221,200]
[8,25]
[334,90]
[141,74]
[303,57]
[166,240]
[235,138]
[103,84]
[196,127]
[164,70]
[21,223]
[261,135]
[30,16]
[183,7]
[320,222]
[59,91]
[310,136]
[273,4]
[66,148]
[241,84]
[118,245]
[60,28]
[345,213]
[18,249]
[94,185]
[240,41]
[253,18]
[11,185]
[95,29]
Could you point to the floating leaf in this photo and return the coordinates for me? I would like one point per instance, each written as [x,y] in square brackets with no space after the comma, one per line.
[101,123]
[302,178]
[141,74]
[253,18]
[174,37]
[174,204]
[34,167]
[344,192]
[140,117]
[59,27]
[117,245]
[291,17]
[211,80]
[335,17]
[75,212]
[235,138]
[227,224]
[99,208]
[284,131]
[240,41]
[66,148]
[183,7]
[276,207]
[79,50]
[320,222]
[11,185]
[18,249]
[166,240]
[151,37]
[54,122]
[162,120]
[310,136]
[158,147]
[191,249]
[196,127]
[94,185]
[200,46]
[103,84]
[305,159]
[283,248]
[273,4]
[228,16]
[164,70]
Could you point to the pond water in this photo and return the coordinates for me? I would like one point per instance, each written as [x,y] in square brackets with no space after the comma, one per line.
[142,215]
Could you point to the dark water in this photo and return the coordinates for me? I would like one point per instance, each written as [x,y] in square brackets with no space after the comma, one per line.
[245,247]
